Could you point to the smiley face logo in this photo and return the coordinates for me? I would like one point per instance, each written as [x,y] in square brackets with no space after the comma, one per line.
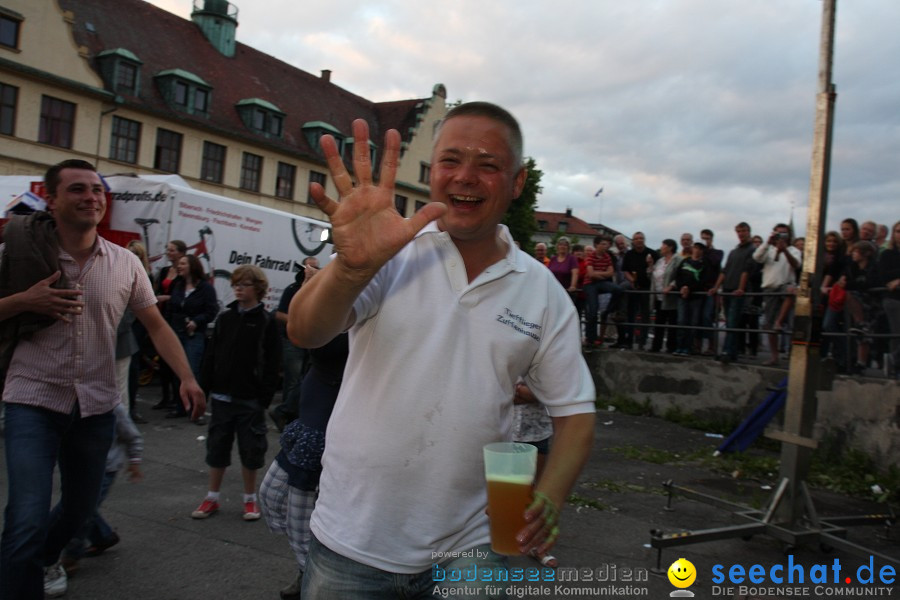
[682,573]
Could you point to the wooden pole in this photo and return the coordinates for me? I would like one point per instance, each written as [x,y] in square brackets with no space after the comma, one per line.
[803,380]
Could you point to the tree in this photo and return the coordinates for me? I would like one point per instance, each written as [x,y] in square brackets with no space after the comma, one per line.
[520,216]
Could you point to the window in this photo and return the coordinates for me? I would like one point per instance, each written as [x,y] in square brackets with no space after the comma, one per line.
[121,71]
[400,203]
[284,182]
[261,116]
[181,93]
[562,226]
[9,31]
[125,139]
[57,122]
[419,205]
[212,167]
[315,177]
[201,100]
[314,130]
[184,91]
[251,169]
[8,96]
[126,77]
[168,151]
[424,172]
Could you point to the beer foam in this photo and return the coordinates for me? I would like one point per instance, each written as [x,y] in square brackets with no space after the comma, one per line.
[516,479]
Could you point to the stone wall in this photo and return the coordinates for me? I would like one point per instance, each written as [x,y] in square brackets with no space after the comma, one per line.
[856,413]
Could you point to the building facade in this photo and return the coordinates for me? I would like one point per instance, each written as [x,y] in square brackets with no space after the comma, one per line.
[133,88]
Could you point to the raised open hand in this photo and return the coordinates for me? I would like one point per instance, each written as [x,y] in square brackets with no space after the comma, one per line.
[366,228]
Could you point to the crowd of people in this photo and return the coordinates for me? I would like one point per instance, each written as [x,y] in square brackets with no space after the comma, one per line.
[687,288]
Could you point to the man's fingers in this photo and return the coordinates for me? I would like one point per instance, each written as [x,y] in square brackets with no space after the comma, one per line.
[342,180]
[391,158]
[362,165]
[53,278]
[426,214]
[317,192]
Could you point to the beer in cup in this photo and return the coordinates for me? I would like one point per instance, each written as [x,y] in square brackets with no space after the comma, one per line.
[509,469]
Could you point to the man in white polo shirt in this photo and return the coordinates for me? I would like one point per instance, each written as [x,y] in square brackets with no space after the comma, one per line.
[445,314]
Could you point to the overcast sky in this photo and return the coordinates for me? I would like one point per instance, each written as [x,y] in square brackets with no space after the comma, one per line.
[688,113]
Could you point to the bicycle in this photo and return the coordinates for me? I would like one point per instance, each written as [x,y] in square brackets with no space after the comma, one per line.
[219,278]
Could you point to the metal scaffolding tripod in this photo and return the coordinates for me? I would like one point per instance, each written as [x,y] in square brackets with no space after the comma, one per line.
[790,515]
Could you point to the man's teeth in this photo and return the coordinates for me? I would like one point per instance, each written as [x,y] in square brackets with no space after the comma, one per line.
[465,198]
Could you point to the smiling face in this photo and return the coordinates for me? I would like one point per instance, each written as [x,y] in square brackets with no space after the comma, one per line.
[79,201]
[182,267]
[474,172]
[173,253]
[682,573]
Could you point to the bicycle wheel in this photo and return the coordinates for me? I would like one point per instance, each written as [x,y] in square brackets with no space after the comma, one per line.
[308,237]
[222,282]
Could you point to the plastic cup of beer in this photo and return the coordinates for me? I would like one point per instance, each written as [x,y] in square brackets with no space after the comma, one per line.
[509,470]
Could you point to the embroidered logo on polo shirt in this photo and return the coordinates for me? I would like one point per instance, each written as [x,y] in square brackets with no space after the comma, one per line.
[520,324]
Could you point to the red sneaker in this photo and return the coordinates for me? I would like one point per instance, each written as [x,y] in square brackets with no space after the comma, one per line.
[251,511]
[206,508]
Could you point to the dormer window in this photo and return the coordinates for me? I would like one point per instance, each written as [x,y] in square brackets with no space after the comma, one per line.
[314,130]
[126,77]
[184,91]
[262,117]
[121,71]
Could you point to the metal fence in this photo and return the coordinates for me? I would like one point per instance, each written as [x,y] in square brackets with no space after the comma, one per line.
[841,344]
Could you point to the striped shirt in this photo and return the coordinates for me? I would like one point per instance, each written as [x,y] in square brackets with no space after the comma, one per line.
[600,263]
[74,362]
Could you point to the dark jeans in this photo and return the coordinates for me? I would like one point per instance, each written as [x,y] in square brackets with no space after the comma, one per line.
[690,314]
[194,346]
[96,530]
[833,322]
[295,366]
[638,304]
[331,576]
[664,317]
[592,293]
[734,308]
[36,439]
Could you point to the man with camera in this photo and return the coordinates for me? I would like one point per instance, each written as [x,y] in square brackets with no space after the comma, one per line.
[780,261]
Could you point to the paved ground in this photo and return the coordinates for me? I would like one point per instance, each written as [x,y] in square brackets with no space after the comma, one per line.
[164,554]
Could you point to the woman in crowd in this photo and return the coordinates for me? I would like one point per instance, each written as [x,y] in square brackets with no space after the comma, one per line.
[889,273]
[859,277]
[565,267]
[665,301]
[849,233]
[834,262]
[142,340]
[191,306]
[175,249]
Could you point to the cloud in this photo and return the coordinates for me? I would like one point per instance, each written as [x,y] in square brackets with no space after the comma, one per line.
[690,113]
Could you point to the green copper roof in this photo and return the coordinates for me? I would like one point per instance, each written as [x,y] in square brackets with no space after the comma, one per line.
[183,75]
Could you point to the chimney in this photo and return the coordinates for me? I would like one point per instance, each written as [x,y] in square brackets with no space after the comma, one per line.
[217,19]
[568,212]
[326,75]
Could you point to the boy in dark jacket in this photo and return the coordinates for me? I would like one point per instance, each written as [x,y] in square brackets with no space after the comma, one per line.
[689,281]
[240,374]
